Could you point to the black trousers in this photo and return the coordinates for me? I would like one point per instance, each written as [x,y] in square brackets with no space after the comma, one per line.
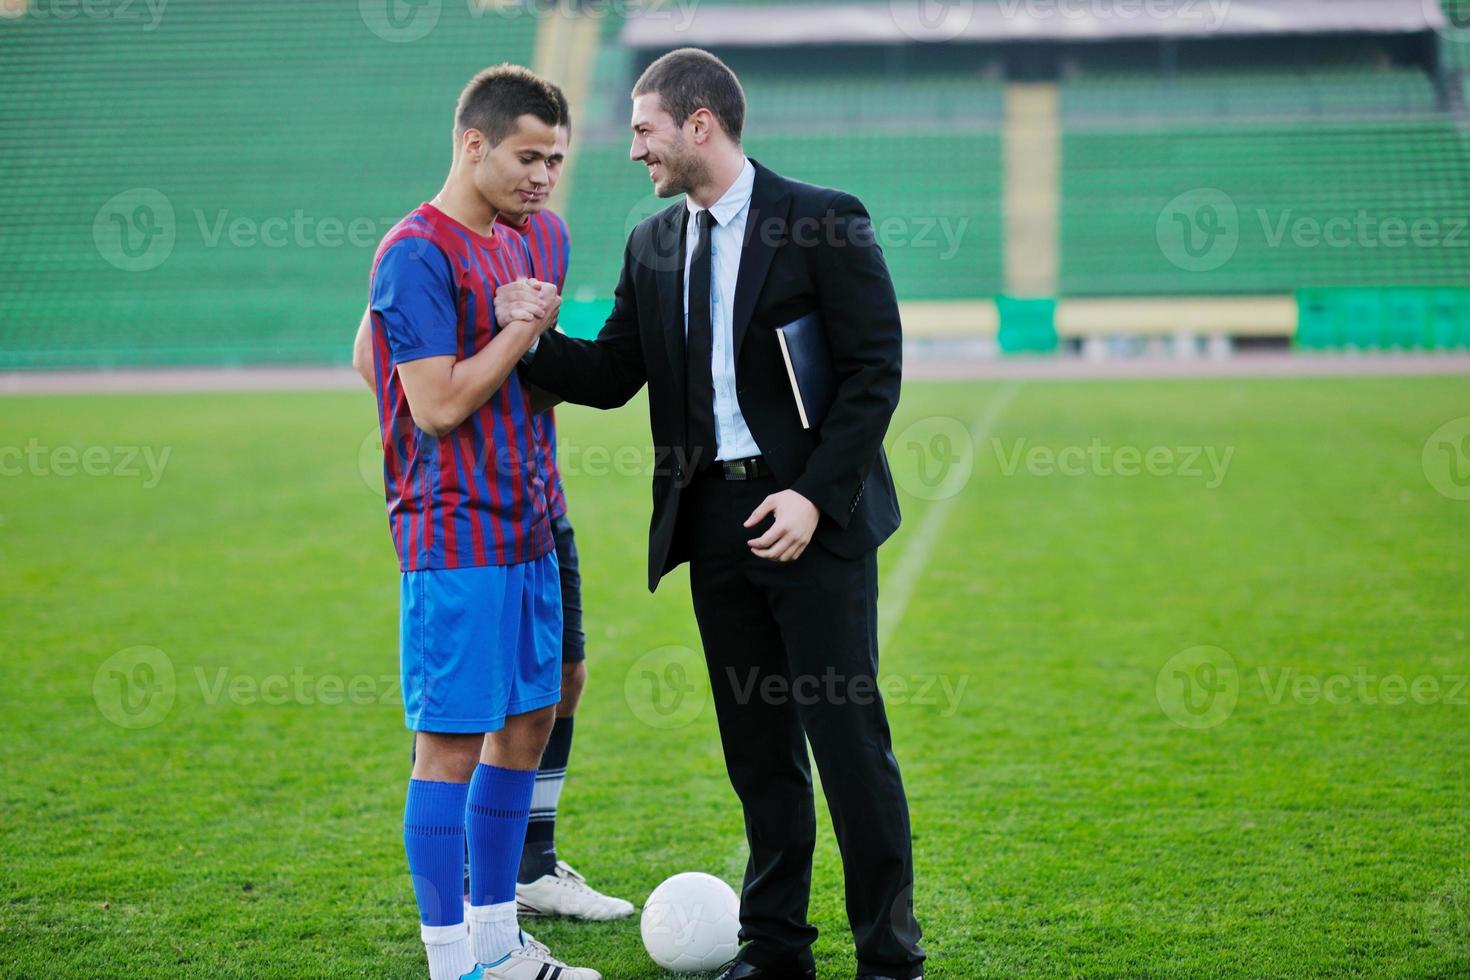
[792,651]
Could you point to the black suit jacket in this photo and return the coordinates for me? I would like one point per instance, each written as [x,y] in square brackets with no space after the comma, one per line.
[806,248]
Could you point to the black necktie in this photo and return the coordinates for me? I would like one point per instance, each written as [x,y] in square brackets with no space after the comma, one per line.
[699,347]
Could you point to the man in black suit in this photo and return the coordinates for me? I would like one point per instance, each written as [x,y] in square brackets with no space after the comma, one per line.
[741,490]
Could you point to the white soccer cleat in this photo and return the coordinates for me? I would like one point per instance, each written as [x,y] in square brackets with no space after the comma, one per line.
[565,892]
[533,961]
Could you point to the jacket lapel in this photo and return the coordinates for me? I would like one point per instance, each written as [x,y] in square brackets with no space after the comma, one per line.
[765,230]
[671,291]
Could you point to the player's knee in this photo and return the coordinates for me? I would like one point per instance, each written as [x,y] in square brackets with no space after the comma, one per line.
[446,758]
[573,680]
[519,744]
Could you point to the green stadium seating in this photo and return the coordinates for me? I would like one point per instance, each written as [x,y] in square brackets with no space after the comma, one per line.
[1245,96]
[296,122]
[1285,183]
[230,120]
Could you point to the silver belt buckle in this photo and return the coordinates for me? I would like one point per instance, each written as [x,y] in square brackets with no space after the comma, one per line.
[740,469]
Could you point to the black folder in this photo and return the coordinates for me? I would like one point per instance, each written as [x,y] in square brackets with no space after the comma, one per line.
[809,367]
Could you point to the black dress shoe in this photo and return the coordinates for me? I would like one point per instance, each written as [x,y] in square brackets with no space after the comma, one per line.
[741,970]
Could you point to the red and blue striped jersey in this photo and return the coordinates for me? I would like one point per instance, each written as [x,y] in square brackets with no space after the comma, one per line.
[550,242]
[477,495]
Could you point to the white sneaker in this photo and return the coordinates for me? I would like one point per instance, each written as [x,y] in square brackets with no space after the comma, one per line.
[533,961]
[565,892]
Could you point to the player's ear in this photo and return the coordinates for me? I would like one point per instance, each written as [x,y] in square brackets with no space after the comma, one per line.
[472,142]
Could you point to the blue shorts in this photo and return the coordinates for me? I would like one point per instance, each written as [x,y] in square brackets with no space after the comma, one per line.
[477,645]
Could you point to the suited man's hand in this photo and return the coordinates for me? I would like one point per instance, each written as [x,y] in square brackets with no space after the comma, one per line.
[796,521]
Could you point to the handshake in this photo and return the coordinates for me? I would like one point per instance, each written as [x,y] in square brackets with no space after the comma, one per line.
[528,301]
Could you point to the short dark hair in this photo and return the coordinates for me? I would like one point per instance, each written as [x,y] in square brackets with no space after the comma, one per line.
[498,96]
[690,79]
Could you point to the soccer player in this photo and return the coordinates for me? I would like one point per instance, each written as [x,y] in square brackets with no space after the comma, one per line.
[546,885]
[480,615]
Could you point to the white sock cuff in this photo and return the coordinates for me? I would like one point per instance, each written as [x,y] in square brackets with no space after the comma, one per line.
[444,935]
[504,912]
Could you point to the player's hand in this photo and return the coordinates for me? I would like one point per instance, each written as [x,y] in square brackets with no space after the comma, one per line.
[549,301]
[795,522]
[519,300]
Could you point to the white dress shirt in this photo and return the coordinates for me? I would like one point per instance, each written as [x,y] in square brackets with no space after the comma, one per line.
[732,438]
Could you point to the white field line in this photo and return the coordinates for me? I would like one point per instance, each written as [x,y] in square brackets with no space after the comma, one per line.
[898,588]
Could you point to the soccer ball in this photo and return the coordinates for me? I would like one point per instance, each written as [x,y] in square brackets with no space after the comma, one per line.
[691,923]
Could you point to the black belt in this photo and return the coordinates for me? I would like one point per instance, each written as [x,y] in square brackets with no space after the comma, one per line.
[750,468]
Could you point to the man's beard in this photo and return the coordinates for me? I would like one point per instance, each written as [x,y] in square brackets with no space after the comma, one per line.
[690,171]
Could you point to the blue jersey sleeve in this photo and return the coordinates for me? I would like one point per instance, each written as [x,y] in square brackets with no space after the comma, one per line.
[413,297]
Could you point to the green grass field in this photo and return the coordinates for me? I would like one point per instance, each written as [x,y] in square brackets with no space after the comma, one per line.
[1092,795]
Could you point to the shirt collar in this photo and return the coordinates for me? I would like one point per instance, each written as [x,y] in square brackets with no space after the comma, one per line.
[734,200]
